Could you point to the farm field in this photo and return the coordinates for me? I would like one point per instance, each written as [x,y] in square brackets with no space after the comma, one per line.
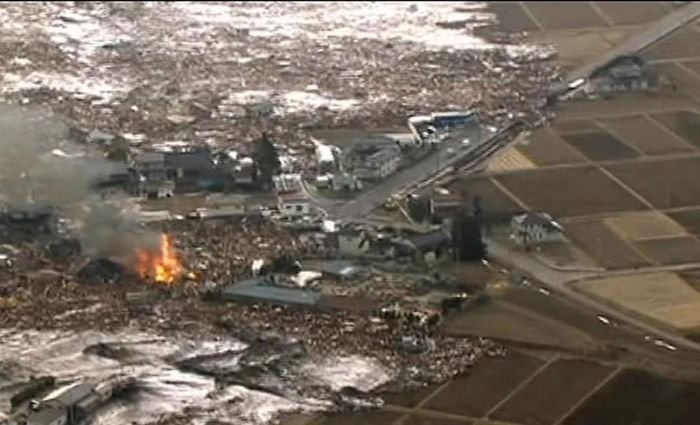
[686,124]
[689,219]
[494,201]
[669,251]
[665,183]
[645,225]
[565,15]
[487,384]
[646,136]
[603,244]
[681,44]
[574,126]
[632,12]
[553,392]
[600,146]
[512,17]
[544,147]
[638,397]
[663,296]
[503,321]
[571,191]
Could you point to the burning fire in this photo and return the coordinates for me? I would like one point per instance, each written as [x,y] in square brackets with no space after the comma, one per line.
[162,266]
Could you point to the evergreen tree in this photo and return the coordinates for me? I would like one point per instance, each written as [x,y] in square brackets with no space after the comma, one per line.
[466,238]
[266,158]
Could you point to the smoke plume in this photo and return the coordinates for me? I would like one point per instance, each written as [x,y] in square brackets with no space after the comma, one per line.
[40,167]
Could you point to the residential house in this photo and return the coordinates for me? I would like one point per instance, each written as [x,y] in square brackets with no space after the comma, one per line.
[288,183]
[151,166]
[373,159]
[534,228]
[431,244]
[345,181]
[294,204]
[192,169]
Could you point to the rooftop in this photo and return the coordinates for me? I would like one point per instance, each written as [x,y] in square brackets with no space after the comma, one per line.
[258,289]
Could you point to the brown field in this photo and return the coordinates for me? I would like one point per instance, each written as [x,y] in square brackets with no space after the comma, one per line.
[685,124]
[693,66]
[680,44]
[546,148]
[360,418]
[503,321]
[511,17]
[485,385]
[685,81]
[663,296]
[409,398]
[667,251]
[632,12]
[690,219]
[566,192]
[670,183]
[646,136]
[426,420]
[637,397]
[511,159]
[552,393]
[494,202]
[601,243]
[645,225]
[574,126]
[565,15]
[600,146]
[691,277]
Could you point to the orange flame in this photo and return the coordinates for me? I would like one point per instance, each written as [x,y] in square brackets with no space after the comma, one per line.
[162,266]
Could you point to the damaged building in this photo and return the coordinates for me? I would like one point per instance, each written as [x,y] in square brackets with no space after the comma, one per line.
[372,159]
[622,74]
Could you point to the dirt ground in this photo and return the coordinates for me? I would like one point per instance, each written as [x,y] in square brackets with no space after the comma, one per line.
[512,17]
[637,397]
[487,384]
[374,417]
[645,135]
[494,201]
[425,420]
[622,106]
[571,191]
[510,160]
[600,146]
[544,147]
[693,66]
[665,183]
[668,251]
[685,124]
[684,79]
[632,12]
[575,48]
[574,126]
[680,44]
[565,15]
[503,321]
[553,392]
[690,219]
[603,244]
[662,296]
[645,225]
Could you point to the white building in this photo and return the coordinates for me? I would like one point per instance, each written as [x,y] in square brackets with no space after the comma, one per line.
[287,183]
[294,204]
[534,228]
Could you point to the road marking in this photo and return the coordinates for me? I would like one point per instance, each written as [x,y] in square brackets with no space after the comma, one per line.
[589,394]
[522,385]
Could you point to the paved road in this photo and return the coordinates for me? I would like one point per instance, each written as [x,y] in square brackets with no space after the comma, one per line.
[450,151]
[559,281]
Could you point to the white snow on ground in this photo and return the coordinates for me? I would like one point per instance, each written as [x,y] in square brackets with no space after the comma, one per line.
[62,82]
[286,102]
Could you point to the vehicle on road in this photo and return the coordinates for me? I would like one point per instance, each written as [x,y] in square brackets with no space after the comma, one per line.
[605,320]
[660,342]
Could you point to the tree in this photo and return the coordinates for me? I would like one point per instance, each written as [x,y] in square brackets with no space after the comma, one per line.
[466,237]
[266,158]
[118,150]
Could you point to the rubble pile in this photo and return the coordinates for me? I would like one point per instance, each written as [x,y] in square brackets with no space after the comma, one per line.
[224,73]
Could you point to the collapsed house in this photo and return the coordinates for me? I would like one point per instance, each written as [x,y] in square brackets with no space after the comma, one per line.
[622,74]
[534,228]
[372,159]
[427,128]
